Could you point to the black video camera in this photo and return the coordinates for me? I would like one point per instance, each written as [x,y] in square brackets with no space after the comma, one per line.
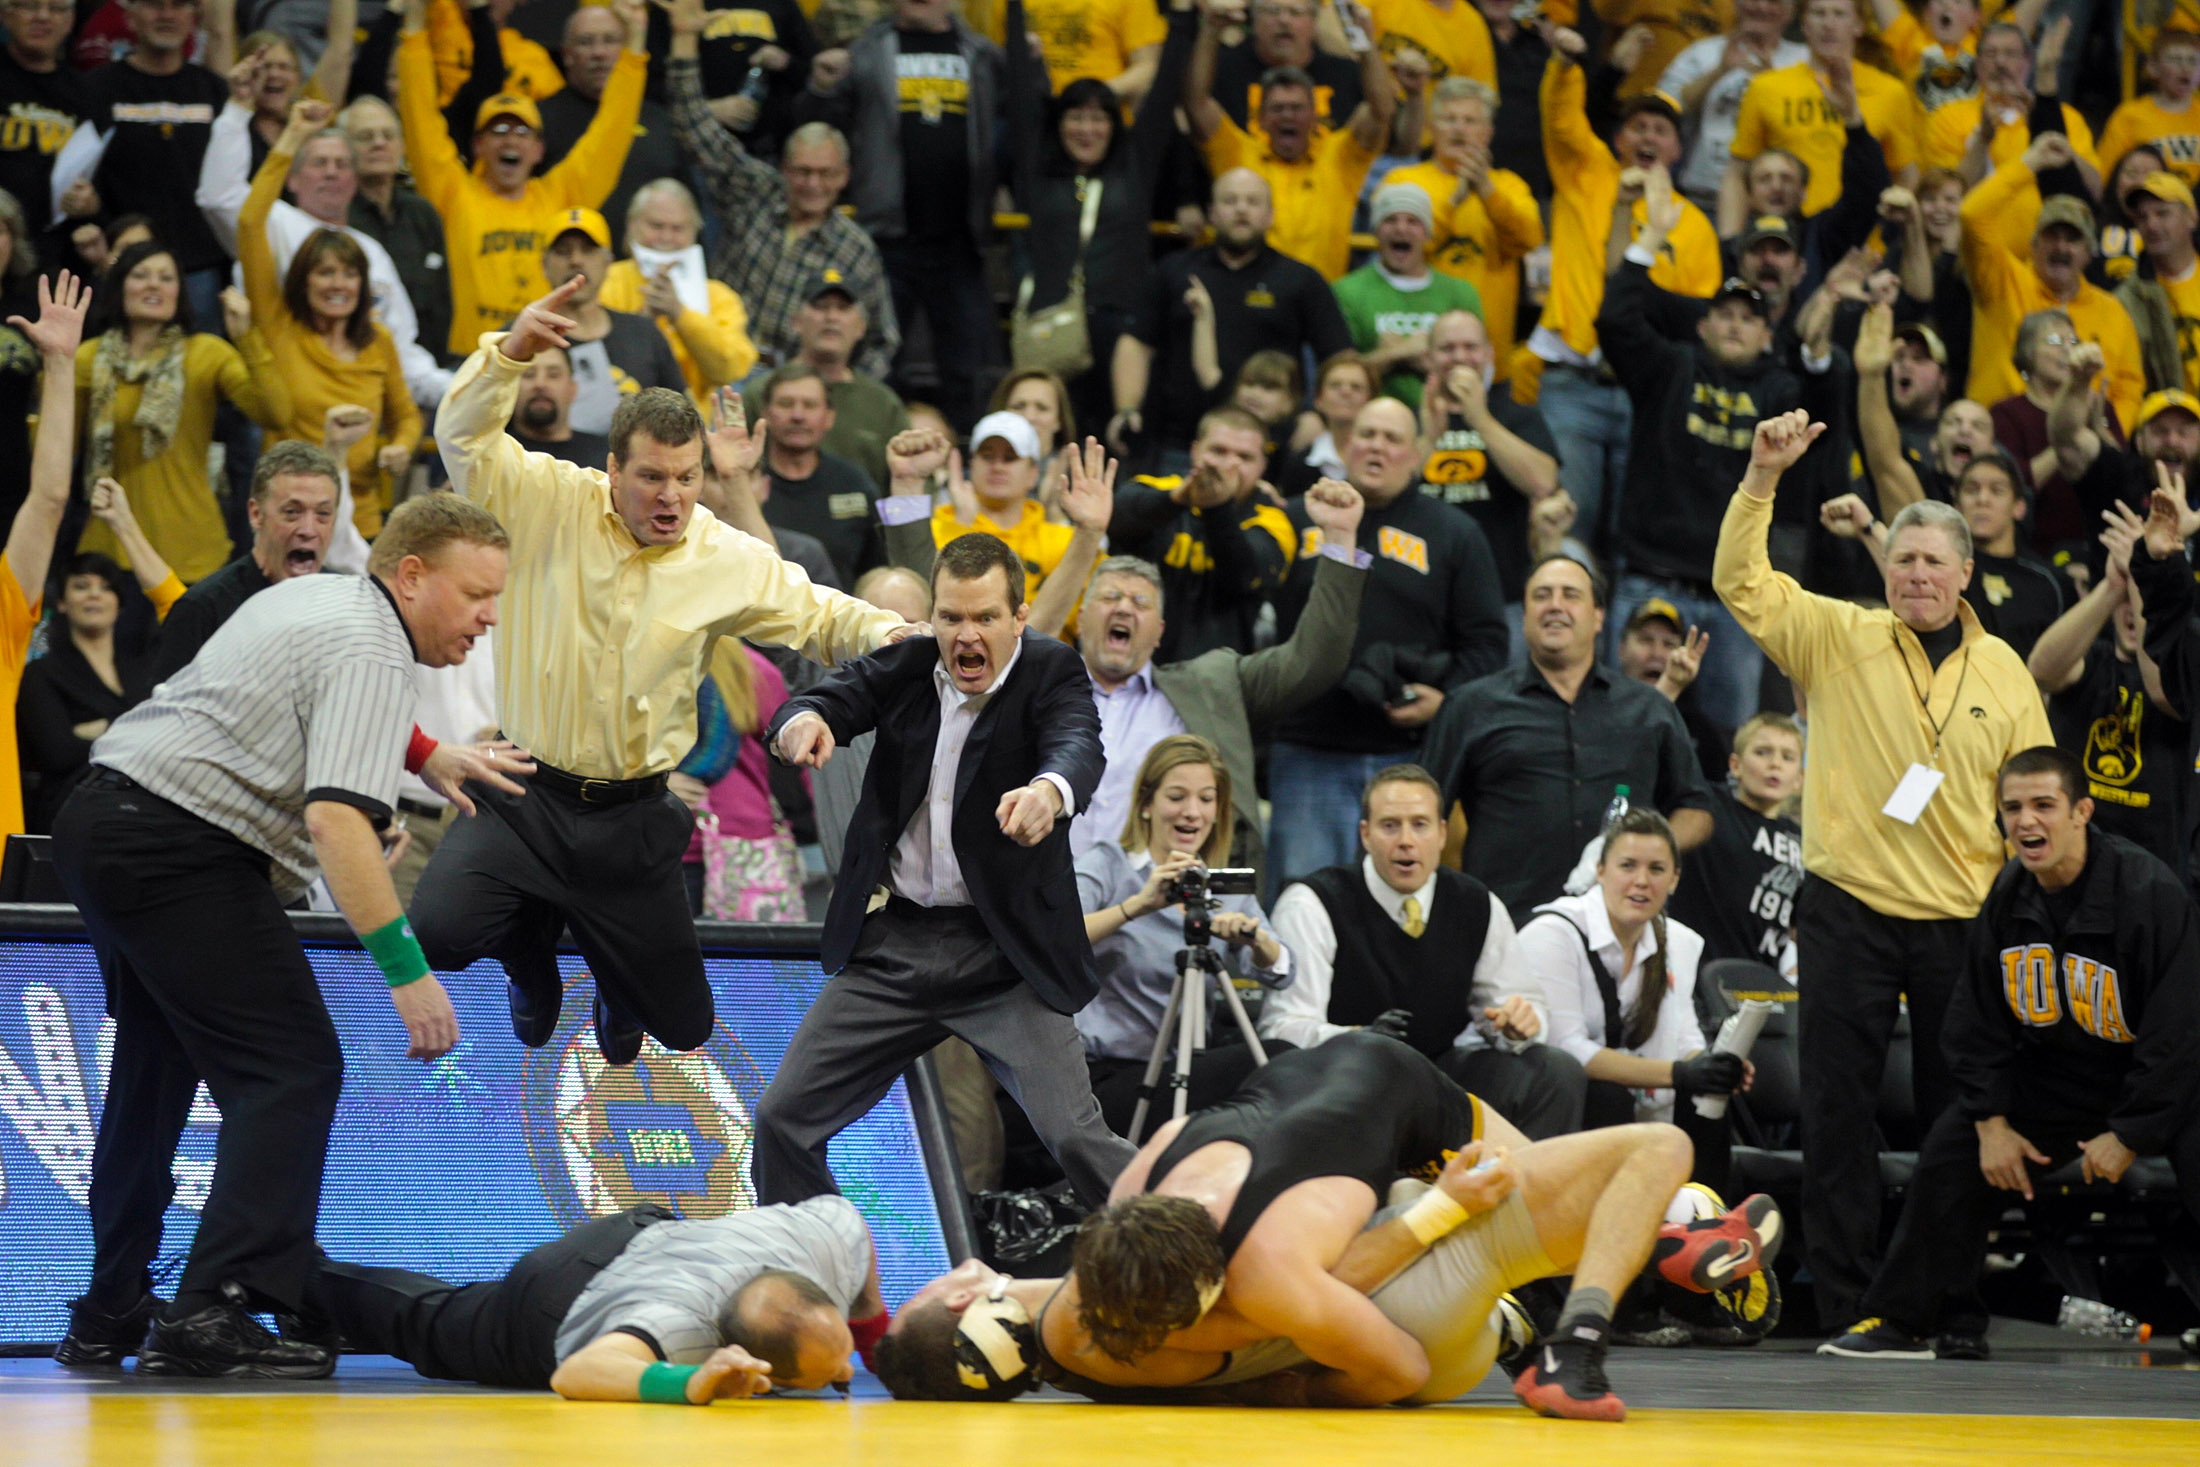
[1198,889]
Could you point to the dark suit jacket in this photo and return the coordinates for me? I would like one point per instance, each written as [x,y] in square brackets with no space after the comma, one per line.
[1041,719]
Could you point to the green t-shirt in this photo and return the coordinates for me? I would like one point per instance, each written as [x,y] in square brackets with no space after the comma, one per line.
[1375,308]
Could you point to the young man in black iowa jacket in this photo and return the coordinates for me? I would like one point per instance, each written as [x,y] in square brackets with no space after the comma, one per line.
[2074,1032]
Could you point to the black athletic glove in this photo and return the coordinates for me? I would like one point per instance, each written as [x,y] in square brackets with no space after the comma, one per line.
[1709,1073]
[1392,1023]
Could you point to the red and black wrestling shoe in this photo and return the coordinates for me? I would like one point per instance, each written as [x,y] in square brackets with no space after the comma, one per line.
[1567,1381]
[1719,1251]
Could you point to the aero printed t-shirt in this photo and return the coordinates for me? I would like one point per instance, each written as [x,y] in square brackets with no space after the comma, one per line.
[932,82]
[1739,890]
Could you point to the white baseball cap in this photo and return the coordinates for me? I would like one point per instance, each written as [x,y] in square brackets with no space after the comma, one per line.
[1014,427]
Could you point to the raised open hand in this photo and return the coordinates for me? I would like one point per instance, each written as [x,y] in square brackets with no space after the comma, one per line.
[735,448]
[59,329]
[1088,497]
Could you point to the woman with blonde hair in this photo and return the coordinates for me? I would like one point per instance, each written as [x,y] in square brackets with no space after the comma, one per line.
[318,322]
[1180,819]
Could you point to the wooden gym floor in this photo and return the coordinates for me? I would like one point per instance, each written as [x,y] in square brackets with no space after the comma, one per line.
[2044,1399]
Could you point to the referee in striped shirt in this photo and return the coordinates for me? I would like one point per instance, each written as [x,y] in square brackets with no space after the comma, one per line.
[272,756]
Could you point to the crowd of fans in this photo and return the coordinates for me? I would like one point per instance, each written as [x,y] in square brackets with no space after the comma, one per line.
[1526,278]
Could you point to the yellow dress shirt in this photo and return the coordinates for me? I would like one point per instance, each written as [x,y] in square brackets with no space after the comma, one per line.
[605,640]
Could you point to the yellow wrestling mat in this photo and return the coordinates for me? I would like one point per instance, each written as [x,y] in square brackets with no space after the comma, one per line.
[133,1428]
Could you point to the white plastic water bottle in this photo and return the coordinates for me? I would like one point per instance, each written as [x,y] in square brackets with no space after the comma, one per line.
[2092,1317]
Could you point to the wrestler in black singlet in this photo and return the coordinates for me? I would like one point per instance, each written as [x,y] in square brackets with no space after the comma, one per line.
[1359,1105]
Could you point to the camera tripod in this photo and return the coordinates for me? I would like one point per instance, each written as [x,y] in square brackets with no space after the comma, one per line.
[1185,1021]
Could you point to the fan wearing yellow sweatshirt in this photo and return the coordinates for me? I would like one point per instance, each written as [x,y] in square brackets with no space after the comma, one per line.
[493,213]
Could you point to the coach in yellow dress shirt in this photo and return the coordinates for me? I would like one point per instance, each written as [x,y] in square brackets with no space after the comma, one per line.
[620,593]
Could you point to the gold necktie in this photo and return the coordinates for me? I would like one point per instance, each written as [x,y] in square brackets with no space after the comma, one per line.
[1413,924]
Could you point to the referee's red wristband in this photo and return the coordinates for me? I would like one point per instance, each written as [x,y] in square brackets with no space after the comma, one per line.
[417,752]
[869,1332]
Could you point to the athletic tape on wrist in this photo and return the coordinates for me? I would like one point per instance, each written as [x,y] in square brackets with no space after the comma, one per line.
[1433,1215]
[396,952]
[667,1385]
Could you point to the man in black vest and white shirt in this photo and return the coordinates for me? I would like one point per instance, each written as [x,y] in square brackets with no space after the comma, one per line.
[1379,946]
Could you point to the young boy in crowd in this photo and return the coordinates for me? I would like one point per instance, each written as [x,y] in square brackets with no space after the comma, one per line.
[1738,889]
[2163,115]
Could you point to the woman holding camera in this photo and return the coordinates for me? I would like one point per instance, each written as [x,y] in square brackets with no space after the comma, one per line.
[1180,820]
[1619,979]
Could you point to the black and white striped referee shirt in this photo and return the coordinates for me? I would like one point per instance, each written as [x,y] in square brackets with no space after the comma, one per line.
[305,694]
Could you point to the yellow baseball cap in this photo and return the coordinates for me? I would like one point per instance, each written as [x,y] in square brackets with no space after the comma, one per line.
[2158,403]
[2164,185]
[509,104]
[587,221]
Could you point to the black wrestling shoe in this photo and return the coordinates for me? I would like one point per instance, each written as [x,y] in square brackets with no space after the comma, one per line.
[618,1036]
[534,1016]
[1961,1345]
[1566,1379]
[98,1340]
[1877,1339]
[225,1340]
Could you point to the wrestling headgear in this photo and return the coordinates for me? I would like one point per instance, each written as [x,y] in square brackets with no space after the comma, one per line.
[996,1346]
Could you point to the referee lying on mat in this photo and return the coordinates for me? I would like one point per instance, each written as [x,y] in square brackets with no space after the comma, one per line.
[622,593]
[637,1306]
[274,754]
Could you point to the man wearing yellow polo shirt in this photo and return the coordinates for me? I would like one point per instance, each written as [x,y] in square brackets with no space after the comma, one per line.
[1792,109]
[1315,177]
[1957,136]
[1486,219]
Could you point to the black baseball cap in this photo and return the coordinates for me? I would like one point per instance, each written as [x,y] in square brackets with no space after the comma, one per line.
[826,282]
[1737,289]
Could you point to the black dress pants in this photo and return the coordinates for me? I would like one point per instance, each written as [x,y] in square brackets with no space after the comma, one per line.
[1929,1282]
[205,980]
[505,883]
[1540,1088]
[503,1333]
[1856,966]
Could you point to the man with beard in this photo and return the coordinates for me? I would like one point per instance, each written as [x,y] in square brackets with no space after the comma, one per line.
[2011,278]
[1906,466]
[1430,622]
[1263,300]
[494,215]
[542,415]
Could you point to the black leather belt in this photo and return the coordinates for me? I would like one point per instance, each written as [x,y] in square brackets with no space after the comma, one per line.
[598,791]
[421,808]
[103,778]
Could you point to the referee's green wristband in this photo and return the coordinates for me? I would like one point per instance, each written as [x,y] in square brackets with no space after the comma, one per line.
[396,952]
[666,1385]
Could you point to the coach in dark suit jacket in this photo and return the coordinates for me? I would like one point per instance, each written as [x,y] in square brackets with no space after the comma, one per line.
[987,743]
